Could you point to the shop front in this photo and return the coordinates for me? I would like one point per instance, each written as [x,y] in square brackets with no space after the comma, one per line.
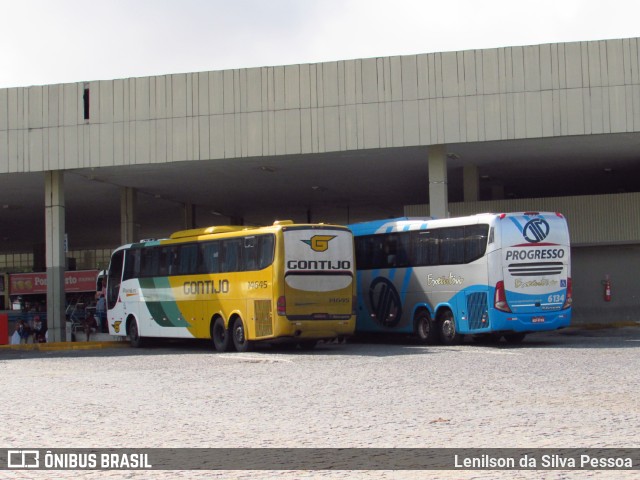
[28,295]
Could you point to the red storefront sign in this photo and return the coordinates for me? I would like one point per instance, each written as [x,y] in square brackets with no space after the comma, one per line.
[30,283]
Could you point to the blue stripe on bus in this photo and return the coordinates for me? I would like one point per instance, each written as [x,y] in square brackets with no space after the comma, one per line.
[405,284]
[516,223]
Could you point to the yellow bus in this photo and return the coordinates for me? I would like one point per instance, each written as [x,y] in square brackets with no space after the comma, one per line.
[285,283]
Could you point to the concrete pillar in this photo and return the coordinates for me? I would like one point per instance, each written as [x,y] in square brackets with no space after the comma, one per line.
[128,230]
[189,216]
[471,183]
[54,213]
[438,189]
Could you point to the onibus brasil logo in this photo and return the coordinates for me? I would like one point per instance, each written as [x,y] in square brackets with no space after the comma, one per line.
[319,243]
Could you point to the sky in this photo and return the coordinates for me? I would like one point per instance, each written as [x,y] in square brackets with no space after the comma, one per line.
[61,41]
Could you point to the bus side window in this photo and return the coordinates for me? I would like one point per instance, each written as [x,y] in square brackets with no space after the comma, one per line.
[364,252]
[452,247]
[475,242]
[391,251]
[188,259]
[403,249]
[132,264]
[420,250]
[149,262]
[172,260]
[426,248]
[167,259]
[211,257]
[265,251]
[232,260]
[250,253]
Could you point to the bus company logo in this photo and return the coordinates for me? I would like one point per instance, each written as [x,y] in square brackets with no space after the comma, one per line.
[116,326]
[386,306]
[536,230]
[319,243]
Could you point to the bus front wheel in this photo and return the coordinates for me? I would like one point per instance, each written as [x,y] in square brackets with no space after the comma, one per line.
[423,327]
[220,335]
[240,341]
[447,327]
[134,335]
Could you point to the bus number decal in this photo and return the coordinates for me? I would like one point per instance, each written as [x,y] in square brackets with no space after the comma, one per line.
[555,298]
[256,285]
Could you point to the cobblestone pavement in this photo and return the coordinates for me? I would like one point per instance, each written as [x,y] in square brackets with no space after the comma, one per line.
[574,388]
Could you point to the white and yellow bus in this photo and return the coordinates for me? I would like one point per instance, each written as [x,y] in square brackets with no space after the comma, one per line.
[285,283]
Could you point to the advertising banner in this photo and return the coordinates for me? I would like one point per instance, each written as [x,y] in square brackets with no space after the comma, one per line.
[36,283]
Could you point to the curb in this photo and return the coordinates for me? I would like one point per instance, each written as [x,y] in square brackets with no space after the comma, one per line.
[58,346]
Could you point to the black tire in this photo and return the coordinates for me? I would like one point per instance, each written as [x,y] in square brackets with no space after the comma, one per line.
[135,340]
[240,341]
[220,336]
[514,338]
[424,328]
[447,329]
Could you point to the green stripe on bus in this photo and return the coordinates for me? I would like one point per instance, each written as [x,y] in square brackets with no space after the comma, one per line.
[165,313]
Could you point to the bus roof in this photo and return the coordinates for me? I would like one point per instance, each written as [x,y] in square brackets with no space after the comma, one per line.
[195,234]
[403,224]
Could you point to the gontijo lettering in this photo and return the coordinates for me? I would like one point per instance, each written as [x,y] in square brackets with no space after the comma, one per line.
[206,287]
[318,265]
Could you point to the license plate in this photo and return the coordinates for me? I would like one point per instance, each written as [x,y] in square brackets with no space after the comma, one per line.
[537,320]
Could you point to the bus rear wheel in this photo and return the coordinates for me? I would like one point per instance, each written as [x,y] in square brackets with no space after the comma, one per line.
[134,335]
[220,335]
[447,329]
[239,336]
[423,327]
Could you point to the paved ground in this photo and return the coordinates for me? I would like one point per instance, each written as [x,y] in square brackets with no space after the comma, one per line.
[575,388]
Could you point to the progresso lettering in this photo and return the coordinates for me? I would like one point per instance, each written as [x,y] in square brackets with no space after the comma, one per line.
[537,254]
[206,287]
[318,265]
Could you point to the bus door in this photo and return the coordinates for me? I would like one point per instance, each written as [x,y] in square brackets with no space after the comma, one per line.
[114,280]
[318,273]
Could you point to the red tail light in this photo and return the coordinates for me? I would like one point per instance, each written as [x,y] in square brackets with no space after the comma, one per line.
[569,296]
[500,299]
[282,305]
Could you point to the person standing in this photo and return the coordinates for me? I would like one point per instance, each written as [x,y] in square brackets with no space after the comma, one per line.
[101,313]
[39,330]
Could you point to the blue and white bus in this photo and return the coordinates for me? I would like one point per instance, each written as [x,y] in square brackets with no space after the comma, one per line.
[487,275]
